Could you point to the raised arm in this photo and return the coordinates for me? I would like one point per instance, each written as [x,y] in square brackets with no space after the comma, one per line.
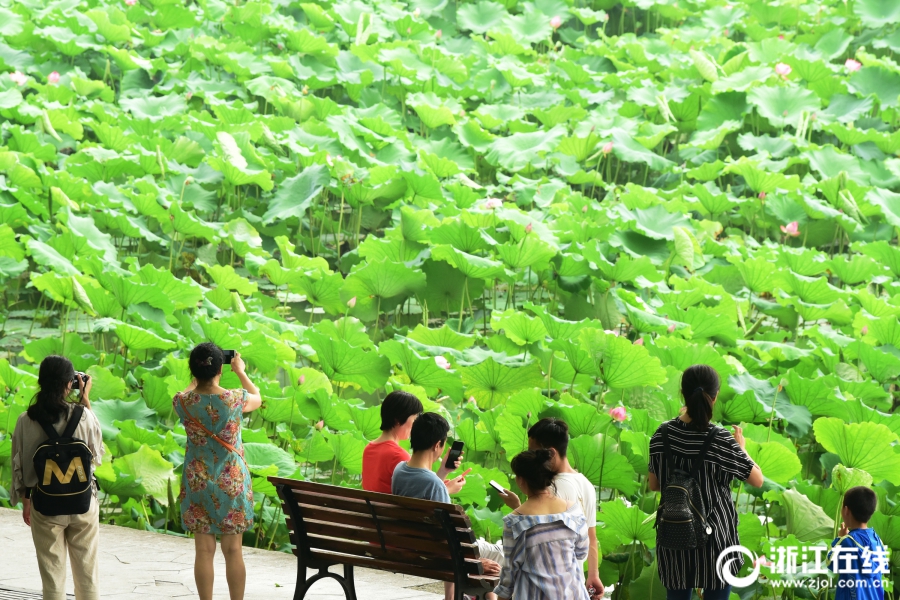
[254,400]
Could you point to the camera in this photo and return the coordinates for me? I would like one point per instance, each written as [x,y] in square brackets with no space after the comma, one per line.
[229,356]
[75,383]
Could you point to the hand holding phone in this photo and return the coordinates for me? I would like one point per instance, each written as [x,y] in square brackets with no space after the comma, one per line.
[454,454]
[497,487]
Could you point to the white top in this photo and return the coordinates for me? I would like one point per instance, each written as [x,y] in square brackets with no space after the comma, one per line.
[575,487]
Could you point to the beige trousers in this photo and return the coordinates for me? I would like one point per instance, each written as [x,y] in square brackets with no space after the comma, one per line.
[77,535]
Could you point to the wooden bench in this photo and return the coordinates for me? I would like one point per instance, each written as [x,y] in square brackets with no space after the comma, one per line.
[331,525]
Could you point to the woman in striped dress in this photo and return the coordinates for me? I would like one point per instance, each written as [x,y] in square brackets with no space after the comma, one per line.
[681,571]
[545,540]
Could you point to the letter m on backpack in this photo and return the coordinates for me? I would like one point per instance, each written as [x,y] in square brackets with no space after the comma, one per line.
[63,464]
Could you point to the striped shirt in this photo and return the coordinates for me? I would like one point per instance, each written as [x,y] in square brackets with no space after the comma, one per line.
[543,555]
[725,462]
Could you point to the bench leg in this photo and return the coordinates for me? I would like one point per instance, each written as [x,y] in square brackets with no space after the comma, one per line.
[348,583]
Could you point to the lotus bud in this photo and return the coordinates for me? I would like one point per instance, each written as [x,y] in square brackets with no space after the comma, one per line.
[189,95]
[18,78]
[611,332]
[53,78]
[555,22]
[792,229]
[351,302]
[320,425]
[853,65]
[783,69]
[639,342]
[761,195]
[280,46]
[584,209]
[442,362]
[528,228]
[439,34]
[607,147]
[416,13]
[301,380]
[130,2]
[671,328]
[864,330]
[618,413]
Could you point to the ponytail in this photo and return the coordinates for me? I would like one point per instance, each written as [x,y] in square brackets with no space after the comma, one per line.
[699,386]
[534,467]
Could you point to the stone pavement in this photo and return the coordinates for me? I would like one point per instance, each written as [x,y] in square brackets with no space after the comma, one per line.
[147,566]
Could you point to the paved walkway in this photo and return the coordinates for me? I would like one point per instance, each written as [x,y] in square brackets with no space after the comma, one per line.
[147,566]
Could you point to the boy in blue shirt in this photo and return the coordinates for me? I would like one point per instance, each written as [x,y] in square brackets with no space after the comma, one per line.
[858,554]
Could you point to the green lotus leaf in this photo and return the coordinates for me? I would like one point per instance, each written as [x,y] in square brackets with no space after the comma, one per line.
[348,451]
[423,371]
[141,473]
[621,363]
[776,462]
[604,467]
[865,446]
[805,520]
[345,363]
[628,522]
[109,411]
[261,456]
[295,194]
[492,383]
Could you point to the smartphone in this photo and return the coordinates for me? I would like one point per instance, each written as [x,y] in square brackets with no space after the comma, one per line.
[466,473]
[497,487]
[454,454]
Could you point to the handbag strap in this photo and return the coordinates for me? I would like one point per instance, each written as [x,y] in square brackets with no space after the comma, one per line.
[667,453]
[197,423]
[701,457]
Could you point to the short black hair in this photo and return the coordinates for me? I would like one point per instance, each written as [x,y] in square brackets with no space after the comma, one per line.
[397,407]
[428,430]
[861,501]
[206,361]
[551,432]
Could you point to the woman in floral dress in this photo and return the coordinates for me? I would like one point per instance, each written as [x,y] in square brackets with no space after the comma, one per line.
[216,497]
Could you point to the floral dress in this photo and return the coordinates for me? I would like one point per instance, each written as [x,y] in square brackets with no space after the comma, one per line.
[216,494]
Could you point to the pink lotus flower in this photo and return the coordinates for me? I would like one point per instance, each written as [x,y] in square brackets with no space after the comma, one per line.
[763,561]
[555,22]
[302,380]
[607,148]
[761,195]
[53,78]
[783,69]
[639,342]
[611,332]
[189,95]
[351,302]
[18,78]
[130,2]
[493,203]
[781,37]
[528,228]
[320,425]
[280,46]
[864,330]
[584,209]
[671,328]
[471,399]
[853,65]
[792,229]
[618,413]
[442,362]
[726,32]
[439,34]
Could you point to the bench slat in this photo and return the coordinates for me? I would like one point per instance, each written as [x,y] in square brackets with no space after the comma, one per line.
[332,558]
[406,528]
[305,499]
[435,548]
[392,555]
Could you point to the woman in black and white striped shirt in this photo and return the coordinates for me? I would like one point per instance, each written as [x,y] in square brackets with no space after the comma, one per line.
[683,570]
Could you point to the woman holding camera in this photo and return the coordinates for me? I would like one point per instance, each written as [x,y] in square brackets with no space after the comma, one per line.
[71,523]
[216,497]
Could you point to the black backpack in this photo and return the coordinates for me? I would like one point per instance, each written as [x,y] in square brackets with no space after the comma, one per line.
[681,519]
[63,466]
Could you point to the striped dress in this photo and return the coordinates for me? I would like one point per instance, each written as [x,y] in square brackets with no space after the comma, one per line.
[543,556]
[725,462]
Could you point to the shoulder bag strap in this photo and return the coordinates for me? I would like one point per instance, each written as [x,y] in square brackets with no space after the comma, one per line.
[667,453]
[197,423]
[50,430]
[698,462]
[74,420]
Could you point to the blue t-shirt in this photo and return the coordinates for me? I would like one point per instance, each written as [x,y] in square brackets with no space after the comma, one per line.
[863,581]
[418,483]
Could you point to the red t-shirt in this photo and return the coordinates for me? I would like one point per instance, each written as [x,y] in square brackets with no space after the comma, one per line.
[378,464]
